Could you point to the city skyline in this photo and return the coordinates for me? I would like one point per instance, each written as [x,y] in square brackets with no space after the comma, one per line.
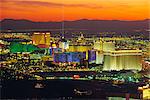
[75,49]
[58,10]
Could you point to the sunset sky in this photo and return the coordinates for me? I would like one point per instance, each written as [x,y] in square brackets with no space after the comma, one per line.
[58,10]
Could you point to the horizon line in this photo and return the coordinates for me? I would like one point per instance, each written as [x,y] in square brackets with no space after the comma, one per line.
[75,20]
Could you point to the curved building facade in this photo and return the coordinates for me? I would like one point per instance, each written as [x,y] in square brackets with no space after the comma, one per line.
[123,60]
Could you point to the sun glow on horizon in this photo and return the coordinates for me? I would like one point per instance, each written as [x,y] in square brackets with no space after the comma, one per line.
[58,10]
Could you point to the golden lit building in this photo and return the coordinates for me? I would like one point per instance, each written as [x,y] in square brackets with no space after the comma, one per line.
[108,46]
[123,59]
[145,92]
[41,38]
[101,47]
[99,57]
[79,48]
[98,45]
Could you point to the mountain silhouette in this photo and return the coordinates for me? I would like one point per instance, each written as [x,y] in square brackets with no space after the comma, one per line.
[83,24]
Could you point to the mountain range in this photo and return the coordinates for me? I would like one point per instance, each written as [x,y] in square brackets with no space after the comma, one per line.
[83,24]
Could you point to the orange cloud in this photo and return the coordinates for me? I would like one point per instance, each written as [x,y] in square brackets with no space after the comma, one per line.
[47,10]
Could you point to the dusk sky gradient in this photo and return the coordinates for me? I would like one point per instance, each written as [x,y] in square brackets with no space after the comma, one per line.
[58,10]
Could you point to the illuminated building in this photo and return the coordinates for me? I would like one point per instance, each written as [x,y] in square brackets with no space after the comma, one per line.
[41,38]
[91,56]
[64,44]
[98,45]
[148,51]
[69,57]
[81,39]
[146,65]
[99,57]
[108,46]
[145,92]
[19,47]
[123,59]
[79,48]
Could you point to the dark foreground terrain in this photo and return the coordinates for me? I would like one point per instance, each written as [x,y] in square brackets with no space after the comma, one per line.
[64,89]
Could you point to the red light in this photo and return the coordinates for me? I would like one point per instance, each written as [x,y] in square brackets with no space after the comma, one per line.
[76,76]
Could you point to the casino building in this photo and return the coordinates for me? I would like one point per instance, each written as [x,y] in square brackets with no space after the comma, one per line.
[112,59]
[41,38]
[123,60]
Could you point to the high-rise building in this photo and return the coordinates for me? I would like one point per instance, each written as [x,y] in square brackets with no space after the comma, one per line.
[98,45]
[99,57]
[41,38]
[123,60]
[63,44]
[108,46]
